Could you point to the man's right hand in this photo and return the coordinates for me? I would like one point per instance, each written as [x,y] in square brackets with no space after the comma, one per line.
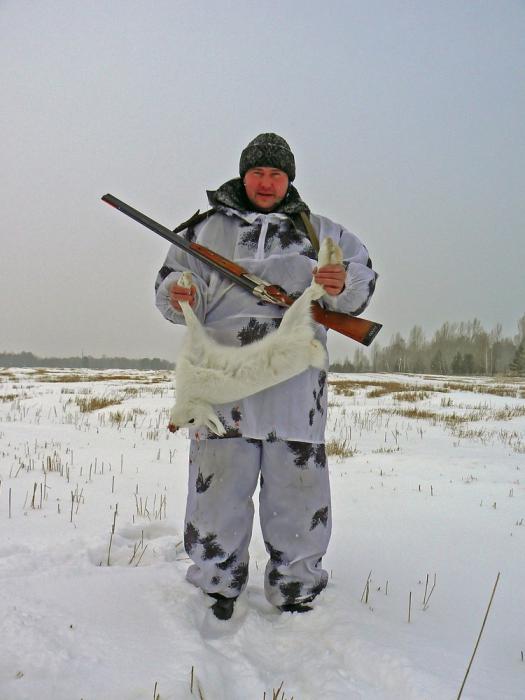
[179,293]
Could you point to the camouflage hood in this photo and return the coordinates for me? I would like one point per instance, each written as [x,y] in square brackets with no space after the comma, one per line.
[232,195]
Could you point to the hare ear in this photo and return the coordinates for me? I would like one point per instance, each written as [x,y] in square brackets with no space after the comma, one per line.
[213,423]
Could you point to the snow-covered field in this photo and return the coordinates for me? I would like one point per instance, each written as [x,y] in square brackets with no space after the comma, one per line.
[428,504]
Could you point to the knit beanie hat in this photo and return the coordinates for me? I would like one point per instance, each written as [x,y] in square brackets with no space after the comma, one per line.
[268,150]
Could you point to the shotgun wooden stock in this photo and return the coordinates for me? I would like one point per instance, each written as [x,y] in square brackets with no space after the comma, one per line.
[358,329]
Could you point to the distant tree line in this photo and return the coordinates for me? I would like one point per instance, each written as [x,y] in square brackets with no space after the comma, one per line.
[27,359]
[455,348]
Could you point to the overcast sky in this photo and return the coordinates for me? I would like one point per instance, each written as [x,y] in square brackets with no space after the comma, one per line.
[406,119]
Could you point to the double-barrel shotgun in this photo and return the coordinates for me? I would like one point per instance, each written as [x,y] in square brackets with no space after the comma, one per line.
[359,329]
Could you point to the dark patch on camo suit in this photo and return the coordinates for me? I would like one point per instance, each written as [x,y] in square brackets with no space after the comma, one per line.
[283,231]
[191,537]
[274,577]
[227,563]
[320,517]
[320,455]
[215,580]
[275,555]
[318,395]
[371,287]
[203,484]
[211,547]
[163,273]
[303,451]
[271,232]
[291,591]
[236,414]
[240,576]
[253,331]
[250,237]
[319,587]
[309,251]
[288,236]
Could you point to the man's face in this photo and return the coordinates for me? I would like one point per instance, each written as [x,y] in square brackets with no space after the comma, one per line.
[265,187]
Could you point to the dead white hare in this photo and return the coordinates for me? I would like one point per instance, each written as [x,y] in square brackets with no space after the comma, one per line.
[210,373]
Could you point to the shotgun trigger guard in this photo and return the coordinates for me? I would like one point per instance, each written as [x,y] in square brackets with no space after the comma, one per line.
[262,292]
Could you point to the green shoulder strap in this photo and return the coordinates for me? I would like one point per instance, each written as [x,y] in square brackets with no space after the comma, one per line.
[303,220]
[195,219]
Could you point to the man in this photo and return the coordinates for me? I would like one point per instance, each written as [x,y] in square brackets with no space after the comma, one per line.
[276,435]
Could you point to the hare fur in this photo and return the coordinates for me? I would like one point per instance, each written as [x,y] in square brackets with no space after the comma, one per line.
[209,372]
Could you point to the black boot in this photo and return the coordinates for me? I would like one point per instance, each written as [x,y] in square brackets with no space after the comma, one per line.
[295,608]
[223,607]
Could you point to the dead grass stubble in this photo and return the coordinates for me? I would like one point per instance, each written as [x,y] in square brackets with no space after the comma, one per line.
[339,448]
[95,403]
[378,388]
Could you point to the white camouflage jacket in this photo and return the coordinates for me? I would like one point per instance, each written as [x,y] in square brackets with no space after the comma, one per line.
[271,247]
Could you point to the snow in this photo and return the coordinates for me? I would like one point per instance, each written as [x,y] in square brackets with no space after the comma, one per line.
[413,499]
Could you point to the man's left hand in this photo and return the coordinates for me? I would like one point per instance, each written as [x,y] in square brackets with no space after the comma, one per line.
[331,278]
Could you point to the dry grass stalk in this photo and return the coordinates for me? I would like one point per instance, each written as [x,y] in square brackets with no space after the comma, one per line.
[277,692]
[141,555]
[479,636]
[194,681]
[143,510]
[425,598]
[77,497]
[112,533]
[35,486]
[366,590]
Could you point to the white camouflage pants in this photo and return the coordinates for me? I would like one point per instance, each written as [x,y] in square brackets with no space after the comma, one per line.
[294,509]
